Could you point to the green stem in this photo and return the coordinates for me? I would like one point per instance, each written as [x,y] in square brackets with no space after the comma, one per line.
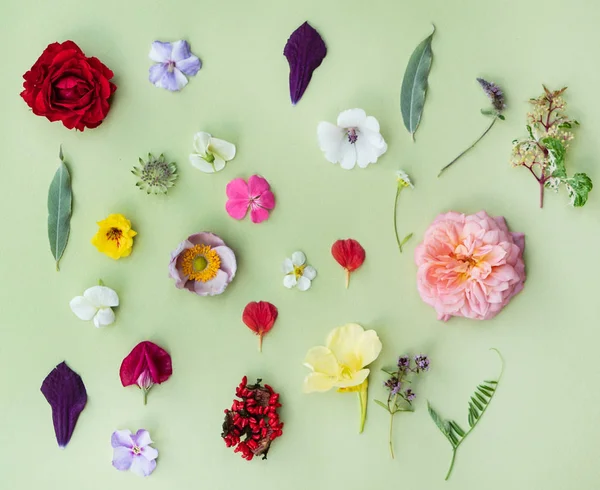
[470,147]
[391,431]
[145,396]
[362,399]
[451,463]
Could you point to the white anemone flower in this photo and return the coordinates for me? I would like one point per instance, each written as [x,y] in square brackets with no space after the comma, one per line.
[211,154]
[297,272]
[355,139]
[96,303]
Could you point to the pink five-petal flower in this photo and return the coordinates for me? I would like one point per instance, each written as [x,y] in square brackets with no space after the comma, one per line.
[255,195]
[469,265]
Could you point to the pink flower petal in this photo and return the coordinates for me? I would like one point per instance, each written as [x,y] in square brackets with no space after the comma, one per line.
[237,189]
[257,185]
[258,214]
[266,200]
[237,208]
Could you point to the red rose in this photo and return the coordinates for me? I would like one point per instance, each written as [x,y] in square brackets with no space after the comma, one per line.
[65,85]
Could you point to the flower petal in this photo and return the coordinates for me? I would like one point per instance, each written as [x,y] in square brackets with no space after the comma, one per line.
[228,260]
[318,382]
[173,81]
[237,208]
[122,458]
[160,51]
[121,438]
[198,162]
[201,142]
[330,139]
[346,343]
[142,438]
[356,379]
[352,118]
[365,153]
[214,286]
[258,214]
[289,281]
[156,73]
[104,317]
[101,296]
[348,155]
[257,185]
[298,258]
[287,266]
[205,238]
[266,200]
[222,148]
[369,347]
[181,51]
[141,466]
[310,272]
[321,360]
[238,189]
[303,283]
[190,66]
[149,453]
[83,308]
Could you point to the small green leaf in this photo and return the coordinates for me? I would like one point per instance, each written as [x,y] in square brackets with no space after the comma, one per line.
[489,112]
[565,125]
[476,403]
[578,188]
[488,390]
[480,398]
[59,210]
[452,438]
[383,405]
[501,117]
[491,382]
[406,239]
[471,419]
[530,132]
[414,85]
[456,428]
[441,423]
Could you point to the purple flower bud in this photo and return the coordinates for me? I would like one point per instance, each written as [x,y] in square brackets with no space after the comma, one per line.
[394,385]
[404,363]
[494,93]
[422,362]
[409,395]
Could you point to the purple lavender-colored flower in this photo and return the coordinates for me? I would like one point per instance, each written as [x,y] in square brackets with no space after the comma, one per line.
[409,395]
[404,363]
[174,62]
[494,93]
[422,362]
[394,385]
[133,452]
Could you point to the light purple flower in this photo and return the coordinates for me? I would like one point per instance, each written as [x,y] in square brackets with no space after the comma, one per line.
[203,264]
[133,452]
[174,62]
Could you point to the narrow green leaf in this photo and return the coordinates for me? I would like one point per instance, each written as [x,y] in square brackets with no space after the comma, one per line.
[491,382]
[501,117]
[452,438]
[474,411]
[59,210]
[486,389]
[476,403]
[471,419]
[456,428]
[480,398]
[414,85]
[383,405]
[441,424]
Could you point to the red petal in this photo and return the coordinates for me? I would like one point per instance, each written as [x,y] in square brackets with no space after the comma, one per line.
[348,253]
[259,317]
[146,356]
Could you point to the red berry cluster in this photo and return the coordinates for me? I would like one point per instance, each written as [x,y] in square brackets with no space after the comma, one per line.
[252,423]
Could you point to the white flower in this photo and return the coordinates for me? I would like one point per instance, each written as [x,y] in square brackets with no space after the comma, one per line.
[96,304]
[403,179]
[211,153]
[298,273]
[355,139]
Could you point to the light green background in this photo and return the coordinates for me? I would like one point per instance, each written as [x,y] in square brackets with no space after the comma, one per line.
[541,432]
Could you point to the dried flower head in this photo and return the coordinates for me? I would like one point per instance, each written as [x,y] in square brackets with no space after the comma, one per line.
[494,93]
[155,175]
[252,424]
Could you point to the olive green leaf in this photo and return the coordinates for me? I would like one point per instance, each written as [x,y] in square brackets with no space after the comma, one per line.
[414,85]
[59,210]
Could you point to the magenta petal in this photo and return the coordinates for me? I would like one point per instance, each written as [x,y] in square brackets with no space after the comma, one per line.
[258,214]
[237,208]
[266,200]
[237,189]
[65,392]
[257,185]
[304,51]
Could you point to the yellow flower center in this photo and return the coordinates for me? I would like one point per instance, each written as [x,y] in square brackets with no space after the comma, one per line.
[346,372]
[114,234]
[136,450]
[299,271]
[200,263]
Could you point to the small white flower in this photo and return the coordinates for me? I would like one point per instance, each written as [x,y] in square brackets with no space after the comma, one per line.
[355,139]
[298,273]
[211,153]
[96,304]
[403,179]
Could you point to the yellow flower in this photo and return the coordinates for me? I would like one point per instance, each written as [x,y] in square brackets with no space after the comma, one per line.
[114,237]
[342,362]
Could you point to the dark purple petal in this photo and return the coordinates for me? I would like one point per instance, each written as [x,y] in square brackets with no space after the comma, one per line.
[65,392]
[304,51]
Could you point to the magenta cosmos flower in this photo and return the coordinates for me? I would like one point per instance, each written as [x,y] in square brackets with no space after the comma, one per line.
[132,452]
[469,266]
[255,195]
[203,264]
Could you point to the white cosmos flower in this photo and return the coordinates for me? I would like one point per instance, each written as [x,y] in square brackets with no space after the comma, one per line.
[297,272]
[96,303]
[403,179]
[211,154]
[355,139]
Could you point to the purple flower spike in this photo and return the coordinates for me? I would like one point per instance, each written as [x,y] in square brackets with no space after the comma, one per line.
[174,62]
[305,50]
[65,392]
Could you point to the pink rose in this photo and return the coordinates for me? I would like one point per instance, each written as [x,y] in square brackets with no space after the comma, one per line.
[469,266]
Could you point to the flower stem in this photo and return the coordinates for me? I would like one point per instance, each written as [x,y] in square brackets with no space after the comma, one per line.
[260,343]
[362,399]
[145,396]
[541,194]
[400,243]
[470,147]
[391,431]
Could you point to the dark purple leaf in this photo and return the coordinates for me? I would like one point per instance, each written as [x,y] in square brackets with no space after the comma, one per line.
[304,51]
[65,392]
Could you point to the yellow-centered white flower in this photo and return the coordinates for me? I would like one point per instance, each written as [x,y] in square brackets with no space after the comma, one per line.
[298,273]
[211,154]
[96,304]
